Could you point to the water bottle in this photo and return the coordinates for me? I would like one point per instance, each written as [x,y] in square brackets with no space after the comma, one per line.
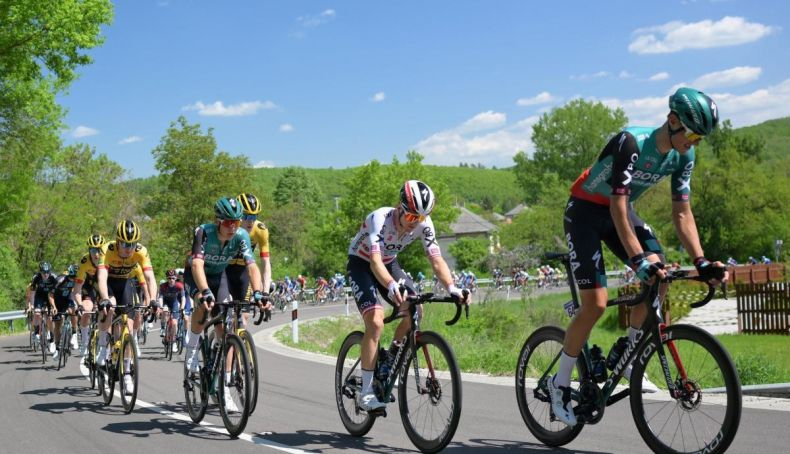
[616,352]
[598,363]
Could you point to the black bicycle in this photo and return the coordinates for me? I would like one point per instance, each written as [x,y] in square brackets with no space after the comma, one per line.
[426,374]
[697,409]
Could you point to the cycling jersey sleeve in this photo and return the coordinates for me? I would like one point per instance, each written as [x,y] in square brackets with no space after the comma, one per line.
[84,270]
[138,274]
[429,243]
[143,258]
[375,225]
[244,246]
[199,243]
[625,152]
[681,178]
[262,239]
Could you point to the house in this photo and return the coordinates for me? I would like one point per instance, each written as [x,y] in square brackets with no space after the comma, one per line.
[468,225]
[514,212]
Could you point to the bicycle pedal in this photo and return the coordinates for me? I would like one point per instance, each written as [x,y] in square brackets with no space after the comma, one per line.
[392,398]
[378,413]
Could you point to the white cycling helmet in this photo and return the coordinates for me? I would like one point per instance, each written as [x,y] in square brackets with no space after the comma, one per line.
[417,198]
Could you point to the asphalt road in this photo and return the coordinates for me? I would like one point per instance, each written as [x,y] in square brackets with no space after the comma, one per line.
[43,410]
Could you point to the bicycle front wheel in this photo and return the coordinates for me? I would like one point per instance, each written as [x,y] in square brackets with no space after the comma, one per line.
[429,393]
[537,363]
[62,344]
[107,377]
[128,388]
[252,357]
[234,393]
[348,385]
[196,386]
[704,413]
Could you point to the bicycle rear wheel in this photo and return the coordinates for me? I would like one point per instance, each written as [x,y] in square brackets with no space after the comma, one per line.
[196,387]
[429,393]
[348,385]
[537,363]
[234,394]
[128,396]
[252,357]
[705,414]
[107,377]
[44,344]
[62,344]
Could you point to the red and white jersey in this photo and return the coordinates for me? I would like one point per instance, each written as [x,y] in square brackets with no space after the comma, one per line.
[378,234]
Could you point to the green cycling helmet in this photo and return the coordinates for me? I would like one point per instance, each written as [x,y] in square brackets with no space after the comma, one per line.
[227,208]
[695,110]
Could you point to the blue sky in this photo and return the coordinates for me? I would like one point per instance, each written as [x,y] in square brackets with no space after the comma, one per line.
[338,83]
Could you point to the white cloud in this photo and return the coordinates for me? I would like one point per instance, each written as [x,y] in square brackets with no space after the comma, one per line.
[130,139]
[84,131]
[218,109]
[465,143]
[286,127]
[625,74]
[738,75]
[264,165]
[591,76]
[541,98]
[663,75]
[676,36]
[378,97]
[314,20]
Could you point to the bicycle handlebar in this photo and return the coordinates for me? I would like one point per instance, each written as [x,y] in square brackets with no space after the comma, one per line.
[416,300]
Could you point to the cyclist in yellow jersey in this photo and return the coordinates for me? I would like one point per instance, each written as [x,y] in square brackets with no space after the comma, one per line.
[236,271]
[85,288]
[114,276]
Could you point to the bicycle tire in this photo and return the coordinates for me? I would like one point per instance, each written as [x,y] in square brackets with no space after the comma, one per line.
[44,344]
[252,356]
[107,377]
[180,334]
[90,360]
[62,353]
[430,392]
[196,388]
[348,384]
[128,400]
[533,361]
[234,420]
[708,366]
[144,330]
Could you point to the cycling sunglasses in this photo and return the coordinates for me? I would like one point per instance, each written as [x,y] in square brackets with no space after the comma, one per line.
[230,223]
[126,245]
[412,218]
[250,217]
[690,135]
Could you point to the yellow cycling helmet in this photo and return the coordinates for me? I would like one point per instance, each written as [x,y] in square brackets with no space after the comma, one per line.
[95,241]
[128,231]
[249,203]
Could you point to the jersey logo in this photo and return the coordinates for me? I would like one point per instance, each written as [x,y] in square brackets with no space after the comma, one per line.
[685,184]
[261,226]
[84,260]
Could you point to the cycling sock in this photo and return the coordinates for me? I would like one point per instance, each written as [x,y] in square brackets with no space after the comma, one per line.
[227,378]
[103,338]
[367,381]
[563,377]
[192,339]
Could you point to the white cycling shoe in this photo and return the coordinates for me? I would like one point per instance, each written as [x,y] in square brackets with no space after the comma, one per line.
[55,354]
[74,344]
[128,384]
[561,403]
[369,402]
[230,405]
[52,348]
[647,385]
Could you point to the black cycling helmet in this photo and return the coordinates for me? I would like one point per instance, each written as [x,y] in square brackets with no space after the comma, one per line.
[72,271]
[44,267]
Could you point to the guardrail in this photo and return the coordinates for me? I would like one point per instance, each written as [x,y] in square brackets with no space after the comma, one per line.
[10,317]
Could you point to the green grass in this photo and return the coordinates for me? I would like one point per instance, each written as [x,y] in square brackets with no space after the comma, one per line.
[490,340]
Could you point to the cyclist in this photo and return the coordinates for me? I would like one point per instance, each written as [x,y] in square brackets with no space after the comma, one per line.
[320,289]
[213,247]
[238,278]
[373,265]
[171,299]
[64,306]
[117,286]
[40,296]
[600,209]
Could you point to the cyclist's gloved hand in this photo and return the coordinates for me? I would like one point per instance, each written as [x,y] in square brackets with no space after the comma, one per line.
[258,296]
[105,305]
[393,293]
[455,292]
[206,296]
[708,270]
[645,270]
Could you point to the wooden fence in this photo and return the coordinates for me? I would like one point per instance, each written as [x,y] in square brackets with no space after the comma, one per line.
[757,274]
[763,308]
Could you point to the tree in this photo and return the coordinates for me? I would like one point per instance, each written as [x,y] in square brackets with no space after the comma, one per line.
[470,253]
[193,175]
[297,186]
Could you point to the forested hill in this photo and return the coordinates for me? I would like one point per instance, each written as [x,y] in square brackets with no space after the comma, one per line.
[775,133]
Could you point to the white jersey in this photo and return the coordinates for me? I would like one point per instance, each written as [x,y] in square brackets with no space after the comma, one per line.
[378,234]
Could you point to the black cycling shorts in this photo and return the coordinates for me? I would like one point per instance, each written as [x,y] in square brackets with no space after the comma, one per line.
[364,284]
[238,281]
[218,283]
[587,224]
[124,290]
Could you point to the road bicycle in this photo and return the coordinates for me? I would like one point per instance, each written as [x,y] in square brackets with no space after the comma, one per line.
[93,341]
[216,374]
[249,345]
[697,408]
[423,369]
[65,339]
[121,351]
